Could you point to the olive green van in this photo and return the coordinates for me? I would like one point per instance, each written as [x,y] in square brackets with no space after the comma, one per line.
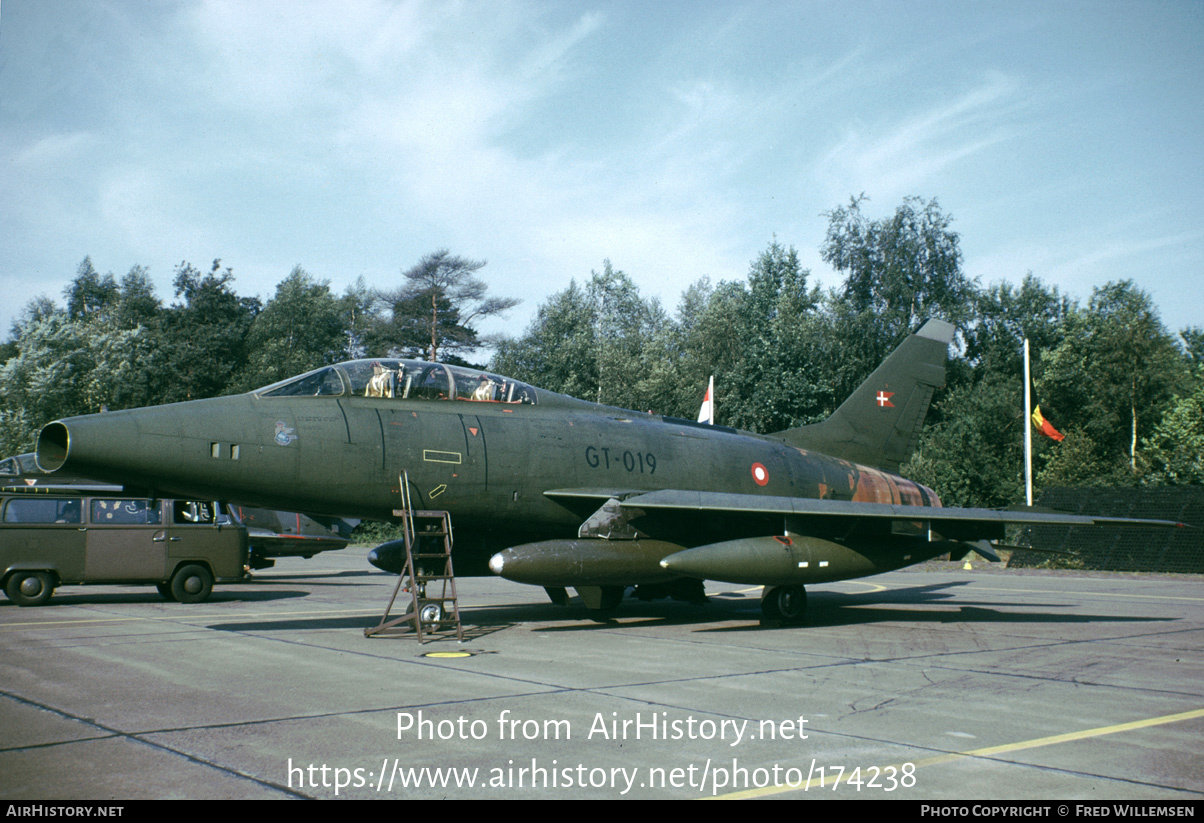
[54,538]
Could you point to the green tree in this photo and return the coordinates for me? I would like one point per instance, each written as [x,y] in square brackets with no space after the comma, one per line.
[779,379]
[590,342]
[1193,345]
[972,448]
[66,367]
[901,270]
[356,306]
[556,351]
[1115,371]
[435,307]
[137,304]
[973,454]
[89,293]
[1175,450]
[301,327]
[1004,316]
[205,337]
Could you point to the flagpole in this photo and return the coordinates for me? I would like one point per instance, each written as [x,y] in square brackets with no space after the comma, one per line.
[1028,431]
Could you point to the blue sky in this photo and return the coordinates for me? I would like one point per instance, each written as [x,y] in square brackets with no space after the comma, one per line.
[675,139]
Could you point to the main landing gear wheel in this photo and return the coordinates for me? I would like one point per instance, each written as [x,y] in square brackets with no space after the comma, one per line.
[29,588]
[191,584]
[785,603]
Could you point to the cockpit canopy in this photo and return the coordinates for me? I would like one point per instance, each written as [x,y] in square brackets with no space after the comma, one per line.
[403,380]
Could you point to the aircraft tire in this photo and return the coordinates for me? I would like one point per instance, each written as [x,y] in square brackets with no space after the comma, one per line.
[191,584]
[785,603]
[165,591]
[29,588]
[430,613]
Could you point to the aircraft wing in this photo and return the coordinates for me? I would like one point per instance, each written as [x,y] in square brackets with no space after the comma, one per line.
[956,523]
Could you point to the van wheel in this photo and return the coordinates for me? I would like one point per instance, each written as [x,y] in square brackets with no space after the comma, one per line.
[165,590]
[29,588]
[191,584]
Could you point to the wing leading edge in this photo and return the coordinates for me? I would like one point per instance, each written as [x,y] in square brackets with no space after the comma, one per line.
[962,519]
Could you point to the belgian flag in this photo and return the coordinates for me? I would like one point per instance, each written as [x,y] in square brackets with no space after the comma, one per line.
[1044,426]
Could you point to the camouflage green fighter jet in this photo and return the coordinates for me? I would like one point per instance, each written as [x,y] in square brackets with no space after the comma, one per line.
[557,492]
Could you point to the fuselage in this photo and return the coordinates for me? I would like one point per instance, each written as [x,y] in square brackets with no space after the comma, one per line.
[485,448]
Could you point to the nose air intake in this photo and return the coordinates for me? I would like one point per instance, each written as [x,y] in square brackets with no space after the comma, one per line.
[54,442]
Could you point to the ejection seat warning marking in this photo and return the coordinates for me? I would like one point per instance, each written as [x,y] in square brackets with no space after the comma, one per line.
[432,456]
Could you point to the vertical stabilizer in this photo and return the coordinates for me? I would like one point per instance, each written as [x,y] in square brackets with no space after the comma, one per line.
[879,424]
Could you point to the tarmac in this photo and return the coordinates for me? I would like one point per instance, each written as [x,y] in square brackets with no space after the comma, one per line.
[935,683]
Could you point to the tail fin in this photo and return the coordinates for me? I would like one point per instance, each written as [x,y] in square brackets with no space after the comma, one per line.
[879,424]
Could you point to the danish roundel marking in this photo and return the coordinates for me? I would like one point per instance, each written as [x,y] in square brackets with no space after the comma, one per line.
[760,474]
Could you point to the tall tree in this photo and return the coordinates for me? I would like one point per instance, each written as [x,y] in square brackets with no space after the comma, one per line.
[972,453]
[1176,448]
[778,381]
[436,306]
[356,306]
[591,342]
[901,270]
[137,304]
[89,293]
[205,336]
[1005,316]
[66,367]
[300,328]
[1115,370]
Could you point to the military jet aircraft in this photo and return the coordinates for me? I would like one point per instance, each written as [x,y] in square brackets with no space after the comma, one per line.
[558,492]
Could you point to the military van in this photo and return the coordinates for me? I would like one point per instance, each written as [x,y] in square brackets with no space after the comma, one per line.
[52,538]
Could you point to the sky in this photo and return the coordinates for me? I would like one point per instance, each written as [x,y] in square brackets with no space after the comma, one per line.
[676,140]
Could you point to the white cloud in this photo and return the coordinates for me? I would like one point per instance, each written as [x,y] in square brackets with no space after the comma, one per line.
[897,159]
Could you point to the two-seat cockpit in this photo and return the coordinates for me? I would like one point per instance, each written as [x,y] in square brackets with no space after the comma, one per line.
[403,380]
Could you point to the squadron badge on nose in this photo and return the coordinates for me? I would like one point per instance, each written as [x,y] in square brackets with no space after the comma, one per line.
[284,433]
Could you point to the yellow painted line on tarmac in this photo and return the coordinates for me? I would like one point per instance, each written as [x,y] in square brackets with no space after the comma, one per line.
[1067,737]
[873,587]
[989,751]
[185,618]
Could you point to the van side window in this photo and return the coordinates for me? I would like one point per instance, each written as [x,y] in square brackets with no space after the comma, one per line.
[125,512]
[190,512]
[34,510]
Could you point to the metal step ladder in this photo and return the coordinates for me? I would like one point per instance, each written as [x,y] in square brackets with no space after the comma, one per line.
[428,540]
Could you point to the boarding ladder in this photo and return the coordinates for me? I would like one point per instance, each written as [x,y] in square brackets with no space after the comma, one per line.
[428,541]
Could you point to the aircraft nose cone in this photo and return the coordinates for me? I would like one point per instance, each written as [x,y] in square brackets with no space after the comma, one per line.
[496,563]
